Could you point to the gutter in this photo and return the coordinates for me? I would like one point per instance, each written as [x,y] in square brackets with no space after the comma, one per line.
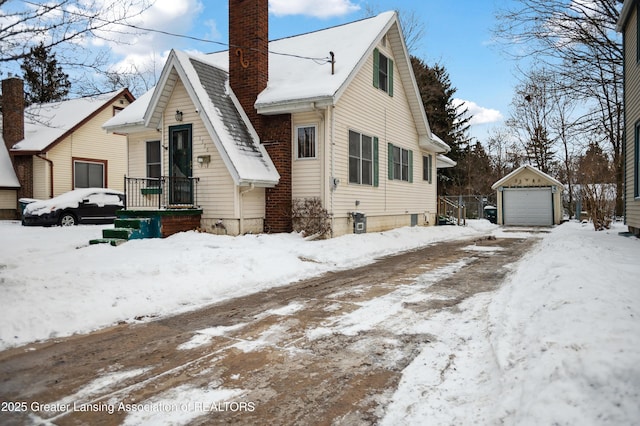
[50,171]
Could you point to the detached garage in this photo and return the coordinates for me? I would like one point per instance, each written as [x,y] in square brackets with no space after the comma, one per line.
[529,197]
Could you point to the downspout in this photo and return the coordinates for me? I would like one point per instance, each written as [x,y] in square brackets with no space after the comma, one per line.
[333,182]
[50,173]
[242,192]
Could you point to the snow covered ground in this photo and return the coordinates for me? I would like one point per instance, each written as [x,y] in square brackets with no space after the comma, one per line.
[558,343]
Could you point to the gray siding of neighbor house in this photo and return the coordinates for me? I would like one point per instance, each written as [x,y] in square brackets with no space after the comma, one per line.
[632,118]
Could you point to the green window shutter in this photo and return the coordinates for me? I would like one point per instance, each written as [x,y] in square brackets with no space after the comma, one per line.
[376,167]
[376,68]
[390,160]
[410,166]
[390,72]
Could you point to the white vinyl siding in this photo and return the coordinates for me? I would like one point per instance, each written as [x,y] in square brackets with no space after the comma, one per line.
[389,119]
[90,142]
[8,199]
[307,177]
[217,193]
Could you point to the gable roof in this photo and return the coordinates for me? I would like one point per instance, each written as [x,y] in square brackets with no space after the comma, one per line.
[297,83]
[45,125]
[227,124]
[8,177]
[522,169]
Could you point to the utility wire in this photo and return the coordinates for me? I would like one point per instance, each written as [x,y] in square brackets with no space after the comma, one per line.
[319,61]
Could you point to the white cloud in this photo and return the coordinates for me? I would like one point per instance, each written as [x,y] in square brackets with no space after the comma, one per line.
[138,49]
[480,115]
[317,9]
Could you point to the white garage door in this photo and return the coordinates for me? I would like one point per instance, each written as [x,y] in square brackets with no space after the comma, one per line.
[527,206]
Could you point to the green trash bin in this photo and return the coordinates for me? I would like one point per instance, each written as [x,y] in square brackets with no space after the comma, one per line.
[491,214]
[22,204]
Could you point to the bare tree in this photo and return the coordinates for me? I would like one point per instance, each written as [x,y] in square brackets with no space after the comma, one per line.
[412,25]
[595,189]
[503,151]
[577,41]
[530,118]
[64,26]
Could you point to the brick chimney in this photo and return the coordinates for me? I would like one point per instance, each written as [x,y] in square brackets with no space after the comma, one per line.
[13,132]
[248,76]
[248,52]
[12,111]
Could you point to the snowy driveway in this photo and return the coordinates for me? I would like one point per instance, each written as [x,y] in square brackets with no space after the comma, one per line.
[326,350]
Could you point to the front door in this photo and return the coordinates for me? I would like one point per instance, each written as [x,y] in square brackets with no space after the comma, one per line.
[180,165]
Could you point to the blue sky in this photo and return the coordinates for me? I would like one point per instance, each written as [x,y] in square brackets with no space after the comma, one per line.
[457,34]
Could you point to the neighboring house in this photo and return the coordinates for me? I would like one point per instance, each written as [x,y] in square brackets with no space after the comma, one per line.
[629,25]
[9,185]
[333,114]
[529,197]
[60,146]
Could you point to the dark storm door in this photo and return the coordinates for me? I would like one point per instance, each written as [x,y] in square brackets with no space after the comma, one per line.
[180,165]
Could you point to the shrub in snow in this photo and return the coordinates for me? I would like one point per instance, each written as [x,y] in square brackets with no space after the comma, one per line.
[310,218]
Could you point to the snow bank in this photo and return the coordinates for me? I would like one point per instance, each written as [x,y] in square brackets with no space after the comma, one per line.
[53,284]
[556,344]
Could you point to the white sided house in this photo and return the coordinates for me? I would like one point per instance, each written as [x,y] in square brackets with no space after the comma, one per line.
[60,146]
[333,115]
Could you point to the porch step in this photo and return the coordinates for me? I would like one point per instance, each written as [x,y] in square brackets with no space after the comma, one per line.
[120,233]
[111,241]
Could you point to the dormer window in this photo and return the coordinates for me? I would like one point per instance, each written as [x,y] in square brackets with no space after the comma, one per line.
[382,72]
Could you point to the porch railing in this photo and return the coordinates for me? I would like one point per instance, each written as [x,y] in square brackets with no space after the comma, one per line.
[161,193]
[451,212]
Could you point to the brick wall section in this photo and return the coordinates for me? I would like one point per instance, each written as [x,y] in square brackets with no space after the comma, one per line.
[276,138]
[23,165]
[13,132]
[170,225]
[12,111]
[248,53]
[248,76]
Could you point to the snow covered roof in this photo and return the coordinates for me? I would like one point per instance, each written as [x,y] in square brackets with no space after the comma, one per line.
[520,170]
[443,162]
[230,129]
[46,124]
[298,83]
[8,177]
[132,117]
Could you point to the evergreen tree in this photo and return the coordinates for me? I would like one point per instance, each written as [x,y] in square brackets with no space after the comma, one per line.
[445,120]
[44,79]
[540,150]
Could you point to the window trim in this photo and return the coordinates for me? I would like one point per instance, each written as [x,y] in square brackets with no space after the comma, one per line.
[636,161]
[405,169]
[427,168]
[377,71]
[147,162]
[375,180]
[315,142]
[76,160]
